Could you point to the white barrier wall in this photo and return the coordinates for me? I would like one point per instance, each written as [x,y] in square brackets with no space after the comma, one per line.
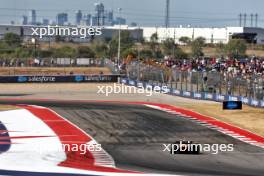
[212,35]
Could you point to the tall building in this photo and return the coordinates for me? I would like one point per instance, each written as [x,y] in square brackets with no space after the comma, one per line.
[78,17]
[62,19]
[109,18]
[24,20]
[86,20]
[45,22]
[33,17]
[99,14]
[94,21]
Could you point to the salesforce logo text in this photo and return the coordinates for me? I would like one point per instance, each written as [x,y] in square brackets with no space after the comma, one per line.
[82,32]
[42,79]
[92,78]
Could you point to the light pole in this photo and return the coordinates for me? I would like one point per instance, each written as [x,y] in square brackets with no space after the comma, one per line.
[119,38]
[34,41]
[138,49]
[139,45]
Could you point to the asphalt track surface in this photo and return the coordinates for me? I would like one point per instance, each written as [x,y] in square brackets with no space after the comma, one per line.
[134,136]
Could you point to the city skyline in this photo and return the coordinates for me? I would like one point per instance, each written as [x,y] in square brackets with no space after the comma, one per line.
[100,17]
[187,13]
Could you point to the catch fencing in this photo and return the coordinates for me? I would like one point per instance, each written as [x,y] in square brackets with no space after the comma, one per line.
[249,89]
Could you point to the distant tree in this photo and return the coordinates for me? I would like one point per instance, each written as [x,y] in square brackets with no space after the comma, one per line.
[158,54]
[126,43]
[153,41]
[45,53]
[129,52]
[179,53]
[197,47]
[113,48]
[154,38]
[170,48]
[168,45]
[185,40]
[3,45]
[85,52]
[146,54]
[12,40]
[236,48]
[126,40]
[65,51]
[100,48]
[220,49]
[23,52]
[154,46]
[200,40]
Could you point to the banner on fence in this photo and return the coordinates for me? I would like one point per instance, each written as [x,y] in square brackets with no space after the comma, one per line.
[59,79]
[202,95]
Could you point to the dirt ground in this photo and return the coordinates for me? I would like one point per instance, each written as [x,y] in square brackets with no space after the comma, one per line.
[249,118]
[52,70]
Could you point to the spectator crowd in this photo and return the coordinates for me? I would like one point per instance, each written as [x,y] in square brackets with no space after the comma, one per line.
[236,67]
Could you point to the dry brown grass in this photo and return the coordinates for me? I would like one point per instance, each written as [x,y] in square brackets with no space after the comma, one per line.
[7,107]
[259,53]
[209,51]
[52,70]
[46,45]
[249,118]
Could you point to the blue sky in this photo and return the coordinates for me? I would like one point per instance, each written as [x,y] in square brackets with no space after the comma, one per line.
[208,13]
